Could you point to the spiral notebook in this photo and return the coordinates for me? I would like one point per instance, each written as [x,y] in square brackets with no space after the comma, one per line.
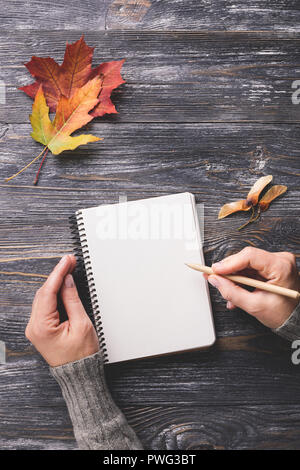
[145,300]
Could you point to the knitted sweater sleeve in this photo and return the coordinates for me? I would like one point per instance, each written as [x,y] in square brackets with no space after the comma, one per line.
[290,329]
[98,423]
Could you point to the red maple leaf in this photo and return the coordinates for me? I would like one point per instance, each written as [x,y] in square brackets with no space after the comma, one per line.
[75,71]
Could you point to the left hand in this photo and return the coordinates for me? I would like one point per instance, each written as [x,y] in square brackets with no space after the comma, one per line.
[74,339]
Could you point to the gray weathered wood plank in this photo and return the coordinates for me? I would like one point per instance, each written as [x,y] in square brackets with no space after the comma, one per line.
[150,15]
[168,427]
[216,161]
[203,15]
[57,15]
[253,427]
[206,378]
[172,77]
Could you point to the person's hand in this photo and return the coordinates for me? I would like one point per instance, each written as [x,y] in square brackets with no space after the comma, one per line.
[275,268]
[60,343]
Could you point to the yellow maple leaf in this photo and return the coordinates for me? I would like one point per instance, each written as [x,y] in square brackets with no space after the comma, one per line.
[71,114]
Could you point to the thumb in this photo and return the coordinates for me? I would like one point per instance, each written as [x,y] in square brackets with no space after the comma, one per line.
[71,300]
[234,293]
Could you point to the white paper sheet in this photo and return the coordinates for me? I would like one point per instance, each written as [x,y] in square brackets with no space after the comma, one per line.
[151,303]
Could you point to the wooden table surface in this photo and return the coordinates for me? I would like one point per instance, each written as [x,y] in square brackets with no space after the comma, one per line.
[206,108]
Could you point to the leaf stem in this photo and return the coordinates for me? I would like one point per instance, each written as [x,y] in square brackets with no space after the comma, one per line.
[27,166]
[40,167]
[249,221]
[257,215]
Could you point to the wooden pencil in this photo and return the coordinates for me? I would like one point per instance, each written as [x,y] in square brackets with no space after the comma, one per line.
[249,282]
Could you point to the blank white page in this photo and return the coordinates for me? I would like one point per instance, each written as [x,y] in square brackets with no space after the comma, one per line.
[151,303]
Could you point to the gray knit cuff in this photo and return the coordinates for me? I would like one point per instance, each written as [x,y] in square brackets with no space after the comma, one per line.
[84,389]
[290,329]
[98,423]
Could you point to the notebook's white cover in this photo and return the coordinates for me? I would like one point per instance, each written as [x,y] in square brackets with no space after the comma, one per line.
[151,303]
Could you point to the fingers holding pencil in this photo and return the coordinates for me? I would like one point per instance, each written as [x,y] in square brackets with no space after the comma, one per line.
[217,281]
[278,269]
[235,295]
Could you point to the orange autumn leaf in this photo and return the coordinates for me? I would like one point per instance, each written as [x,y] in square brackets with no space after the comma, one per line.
[232,207]
[271,194]
[75,91]
[76,68]
[75,71]
[110,73]
[46,71]
[72,113]
[257,188]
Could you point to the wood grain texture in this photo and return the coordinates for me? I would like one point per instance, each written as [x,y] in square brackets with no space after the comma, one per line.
[173,76]
[96,15]
[207,428]
[205,378]
[203,15]
[206,108]
[216,161]
[171,427]
[57,15]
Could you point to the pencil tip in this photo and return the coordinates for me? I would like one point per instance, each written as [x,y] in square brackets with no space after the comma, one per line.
[192,266]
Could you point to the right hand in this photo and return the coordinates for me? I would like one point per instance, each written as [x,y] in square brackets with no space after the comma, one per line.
[275,268]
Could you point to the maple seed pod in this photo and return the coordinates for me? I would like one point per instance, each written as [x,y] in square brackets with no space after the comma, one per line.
[253,195]
[232,207]
[246,204]
[271,194]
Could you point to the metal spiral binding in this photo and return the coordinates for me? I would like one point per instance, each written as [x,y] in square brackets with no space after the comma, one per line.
[84,265]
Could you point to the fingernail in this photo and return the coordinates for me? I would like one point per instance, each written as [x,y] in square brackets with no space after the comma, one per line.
[213,281]
[217,265]
[64,260]
[69,281]
[229,304]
